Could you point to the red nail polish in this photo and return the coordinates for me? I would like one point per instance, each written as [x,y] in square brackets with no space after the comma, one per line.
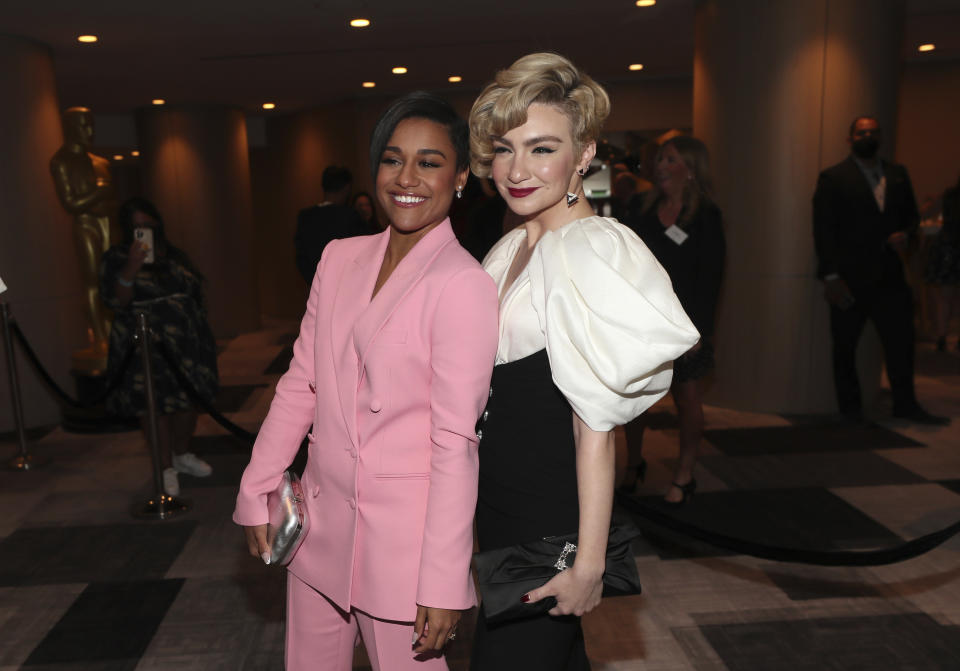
[525,598]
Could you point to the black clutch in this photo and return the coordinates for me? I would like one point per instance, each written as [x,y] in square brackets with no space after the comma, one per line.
[506,574]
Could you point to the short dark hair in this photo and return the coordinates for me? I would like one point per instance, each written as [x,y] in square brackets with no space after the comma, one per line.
[853,124]
[420,105]
[336,178]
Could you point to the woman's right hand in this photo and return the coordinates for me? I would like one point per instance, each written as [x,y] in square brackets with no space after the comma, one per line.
[136,256]
[257,542]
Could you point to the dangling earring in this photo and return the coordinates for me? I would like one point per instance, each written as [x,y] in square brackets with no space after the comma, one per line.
[459,192]
[571,199]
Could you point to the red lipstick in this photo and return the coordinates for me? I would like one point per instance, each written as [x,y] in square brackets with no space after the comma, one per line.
[522,193]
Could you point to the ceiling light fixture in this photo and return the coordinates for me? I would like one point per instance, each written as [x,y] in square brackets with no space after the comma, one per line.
[158,101]
[87,39]
[369,85]
[359,23]
[453,79]
[635,67]
[927,47]
[269,106]
[399,70]
[118,157]
[646,3]
[135,153]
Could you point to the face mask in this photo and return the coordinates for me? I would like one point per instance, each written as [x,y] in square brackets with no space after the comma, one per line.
[866,147]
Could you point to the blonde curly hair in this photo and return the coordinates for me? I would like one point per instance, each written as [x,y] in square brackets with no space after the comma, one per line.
[545,78]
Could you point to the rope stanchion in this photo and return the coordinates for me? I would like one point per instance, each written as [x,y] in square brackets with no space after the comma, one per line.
[23,461]
[52,385]
[161,506]
[238,431]
[881,557]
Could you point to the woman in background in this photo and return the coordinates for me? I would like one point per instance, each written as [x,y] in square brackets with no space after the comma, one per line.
[683,227]
[169,289]
[363,204]
[588,328]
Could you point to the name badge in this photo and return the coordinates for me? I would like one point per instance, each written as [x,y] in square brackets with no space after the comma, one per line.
[676,234]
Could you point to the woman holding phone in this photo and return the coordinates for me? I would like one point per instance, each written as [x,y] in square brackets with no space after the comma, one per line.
[392,368]
[147,273]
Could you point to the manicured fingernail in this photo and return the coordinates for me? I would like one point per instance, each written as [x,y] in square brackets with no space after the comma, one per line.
[525,598]
[265,556]
[415,637]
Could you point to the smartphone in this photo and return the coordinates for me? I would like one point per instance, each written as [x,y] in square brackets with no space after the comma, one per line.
[144,235]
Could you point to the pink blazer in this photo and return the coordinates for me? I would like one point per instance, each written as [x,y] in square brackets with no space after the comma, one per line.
[393,388]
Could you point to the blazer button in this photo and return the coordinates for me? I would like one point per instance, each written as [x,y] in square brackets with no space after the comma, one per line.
[315,491]
[490,395]
[353,503]
[375,405]
[486,415]
[480,434]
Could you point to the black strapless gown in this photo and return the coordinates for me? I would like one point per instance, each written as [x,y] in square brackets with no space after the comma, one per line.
[528,490]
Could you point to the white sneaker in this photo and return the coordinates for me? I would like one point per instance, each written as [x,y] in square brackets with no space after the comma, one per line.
[171,484]
[191,464]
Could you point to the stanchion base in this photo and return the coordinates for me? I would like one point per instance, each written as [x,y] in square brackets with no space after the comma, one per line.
[26,463]
[161,508]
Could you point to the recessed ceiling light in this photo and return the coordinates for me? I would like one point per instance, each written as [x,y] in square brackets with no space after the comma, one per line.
[269,106]
[453,79]
[360,23]
[399,70]
[369,85]
[118,157]
[636,67]
[646,3]
[158,101]
[927,47]
[134,153]
[87,39]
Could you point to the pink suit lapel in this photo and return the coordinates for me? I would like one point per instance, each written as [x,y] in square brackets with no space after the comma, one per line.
[404,278]
[352,298]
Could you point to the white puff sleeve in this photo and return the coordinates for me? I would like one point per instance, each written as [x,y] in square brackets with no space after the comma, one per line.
[613,325]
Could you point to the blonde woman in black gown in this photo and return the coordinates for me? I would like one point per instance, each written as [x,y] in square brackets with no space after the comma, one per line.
[589,326]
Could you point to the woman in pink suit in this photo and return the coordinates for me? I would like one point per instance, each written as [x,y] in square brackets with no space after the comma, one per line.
[392,368]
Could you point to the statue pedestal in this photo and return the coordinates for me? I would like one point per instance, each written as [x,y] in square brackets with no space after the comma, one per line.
[89,371]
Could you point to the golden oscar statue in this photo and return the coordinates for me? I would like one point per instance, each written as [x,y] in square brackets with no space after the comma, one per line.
[82,180]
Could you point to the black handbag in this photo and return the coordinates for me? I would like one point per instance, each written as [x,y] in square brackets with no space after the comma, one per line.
[506,574]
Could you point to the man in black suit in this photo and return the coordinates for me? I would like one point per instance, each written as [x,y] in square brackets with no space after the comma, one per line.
[330,220]
[864,213]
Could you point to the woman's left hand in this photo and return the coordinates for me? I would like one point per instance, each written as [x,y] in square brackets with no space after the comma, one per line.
[433,628]
[577,590]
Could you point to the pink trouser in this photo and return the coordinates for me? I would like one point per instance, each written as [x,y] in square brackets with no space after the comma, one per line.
[321,637]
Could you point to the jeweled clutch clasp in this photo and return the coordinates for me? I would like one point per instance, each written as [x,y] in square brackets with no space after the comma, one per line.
[561,564]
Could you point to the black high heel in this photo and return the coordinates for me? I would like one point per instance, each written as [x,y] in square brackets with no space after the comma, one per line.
[687,490]
[639,475]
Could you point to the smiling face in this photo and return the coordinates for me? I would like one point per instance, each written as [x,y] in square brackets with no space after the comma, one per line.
[534,165]
[418,177]
[671,171]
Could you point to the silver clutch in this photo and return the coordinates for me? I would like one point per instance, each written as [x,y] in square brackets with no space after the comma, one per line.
[289,522]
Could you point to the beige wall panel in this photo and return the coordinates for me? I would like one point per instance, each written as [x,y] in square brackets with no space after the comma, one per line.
[773,106]
[38,260]
[197,169]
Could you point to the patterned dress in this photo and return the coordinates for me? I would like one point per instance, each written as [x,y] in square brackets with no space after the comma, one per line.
[170,292]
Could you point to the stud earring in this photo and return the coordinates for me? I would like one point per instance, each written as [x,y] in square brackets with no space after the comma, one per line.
[582,172]
[571,199]
[459,192]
